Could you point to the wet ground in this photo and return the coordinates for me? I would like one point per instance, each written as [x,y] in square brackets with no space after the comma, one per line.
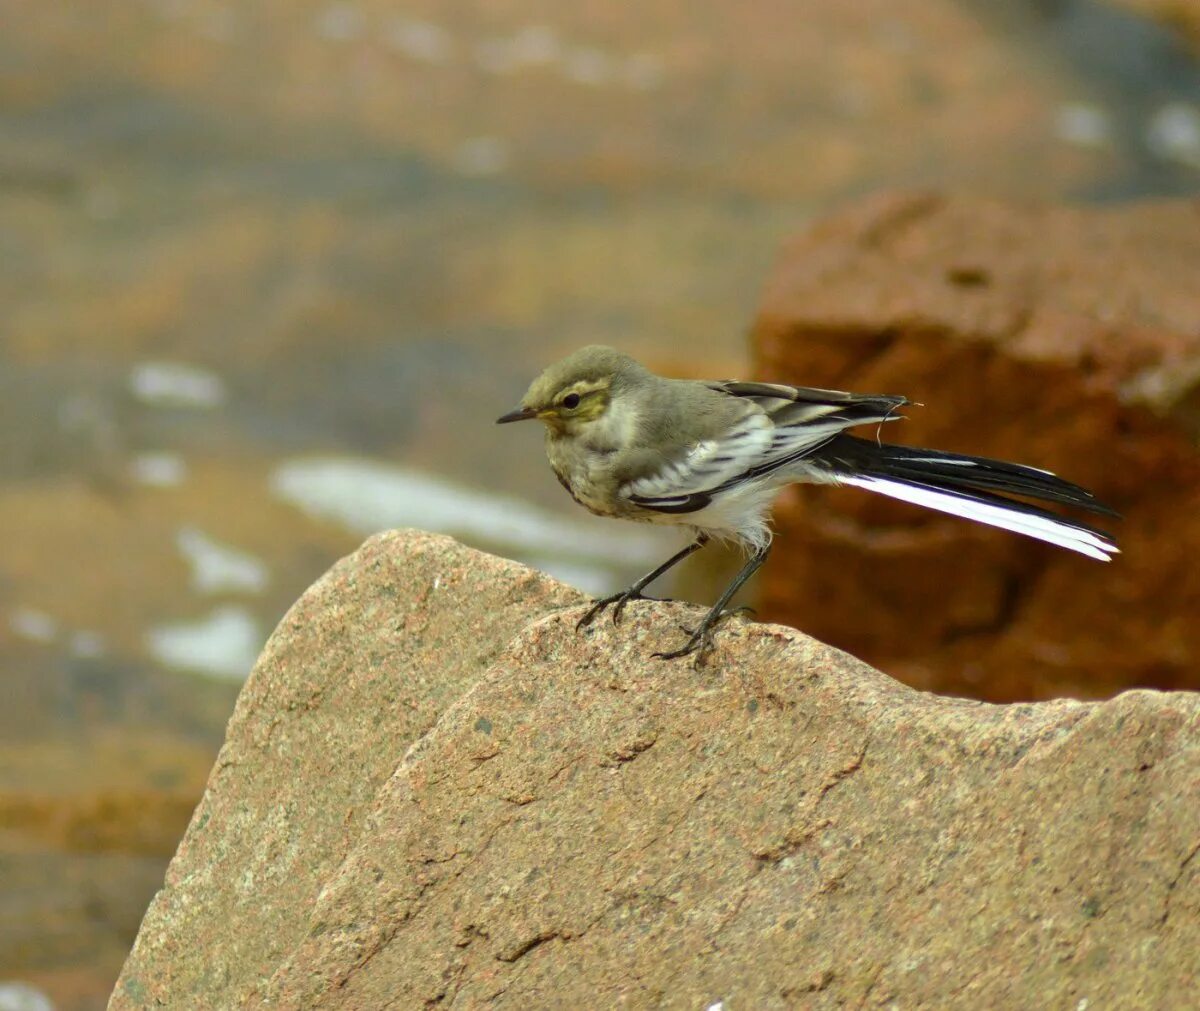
[269,275]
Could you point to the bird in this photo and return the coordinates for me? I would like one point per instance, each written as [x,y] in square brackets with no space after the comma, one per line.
[711,456]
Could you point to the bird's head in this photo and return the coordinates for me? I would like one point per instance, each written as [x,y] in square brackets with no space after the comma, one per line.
[578,391]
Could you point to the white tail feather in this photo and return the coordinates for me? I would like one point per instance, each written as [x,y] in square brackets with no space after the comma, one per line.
[1051,531]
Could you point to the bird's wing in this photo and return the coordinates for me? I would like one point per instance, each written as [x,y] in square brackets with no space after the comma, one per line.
[685,483]
[788,405]
[805,418]
[789,423]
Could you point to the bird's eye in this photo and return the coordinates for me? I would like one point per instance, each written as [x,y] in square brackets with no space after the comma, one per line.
[571,401]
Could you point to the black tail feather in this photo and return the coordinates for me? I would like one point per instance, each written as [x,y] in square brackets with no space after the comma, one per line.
[933,468]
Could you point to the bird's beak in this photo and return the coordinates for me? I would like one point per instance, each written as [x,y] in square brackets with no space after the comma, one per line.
[520,414]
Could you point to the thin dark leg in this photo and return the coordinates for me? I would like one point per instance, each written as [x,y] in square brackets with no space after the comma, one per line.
[701,638]
[635,591]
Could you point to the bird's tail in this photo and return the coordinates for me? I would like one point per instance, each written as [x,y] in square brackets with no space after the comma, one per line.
[974,488]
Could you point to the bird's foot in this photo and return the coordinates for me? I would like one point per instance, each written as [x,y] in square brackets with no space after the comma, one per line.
[700,638]
[699,642]
[619,599]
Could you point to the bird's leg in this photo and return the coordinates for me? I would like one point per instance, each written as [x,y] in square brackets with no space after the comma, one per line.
[701,638]
[635,591]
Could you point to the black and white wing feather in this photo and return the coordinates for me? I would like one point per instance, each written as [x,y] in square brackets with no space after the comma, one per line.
[782,424]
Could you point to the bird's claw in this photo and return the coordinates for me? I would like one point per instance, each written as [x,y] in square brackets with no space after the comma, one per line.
[700,638]
[699,641]
[619,599]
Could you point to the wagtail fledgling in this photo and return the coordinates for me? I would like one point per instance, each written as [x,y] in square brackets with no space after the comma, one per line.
[710,456]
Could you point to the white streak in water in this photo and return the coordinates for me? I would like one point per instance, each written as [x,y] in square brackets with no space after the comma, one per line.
[1084,124]
[1173,133]
[18,996]
[29,623]
[224,645]
[86,645]
[158,470]
[366,496]
[176,384]
[218,568]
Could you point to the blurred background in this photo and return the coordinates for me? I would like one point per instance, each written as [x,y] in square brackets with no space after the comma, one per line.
[270,270]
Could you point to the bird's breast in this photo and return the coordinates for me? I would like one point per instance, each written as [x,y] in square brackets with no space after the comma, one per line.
[586,478]
[585,493]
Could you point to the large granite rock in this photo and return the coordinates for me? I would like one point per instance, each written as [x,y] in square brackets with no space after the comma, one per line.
[434,791]
[1063,338]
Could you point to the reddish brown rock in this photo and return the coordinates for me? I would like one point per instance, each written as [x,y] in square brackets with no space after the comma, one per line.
[435,792]
[1061,338]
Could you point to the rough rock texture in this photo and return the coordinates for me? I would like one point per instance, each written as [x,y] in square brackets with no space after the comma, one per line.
[433,791]
[1066,339]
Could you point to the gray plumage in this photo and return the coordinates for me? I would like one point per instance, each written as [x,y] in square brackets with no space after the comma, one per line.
[710,456]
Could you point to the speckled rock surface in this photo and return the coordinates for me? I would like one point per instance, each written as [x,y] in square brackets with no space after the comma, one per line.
[1064,338]
[435,792]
